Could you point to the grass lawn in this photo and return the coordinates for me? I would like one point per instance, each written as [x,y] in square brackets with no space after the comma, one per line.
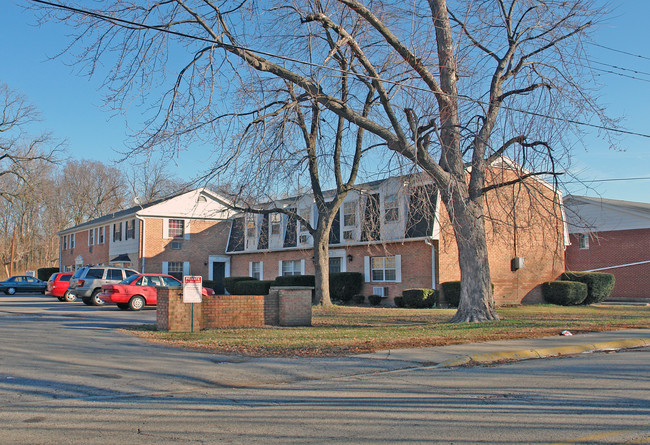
[342,330]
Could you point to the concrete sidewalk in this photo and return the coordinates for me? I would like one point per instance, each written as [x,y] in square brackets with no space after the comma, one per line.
[512,350]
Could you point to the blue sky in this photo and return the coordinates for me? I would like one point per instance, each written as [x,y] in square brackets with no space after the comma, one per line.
[71,104]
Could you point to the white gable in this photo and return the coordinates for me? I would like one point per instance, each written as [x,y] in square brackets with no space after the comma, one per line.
[593,215]
[199,203]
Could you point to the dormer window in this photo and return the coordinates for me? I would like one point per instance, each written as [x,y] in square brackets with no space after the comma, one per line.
[391,208]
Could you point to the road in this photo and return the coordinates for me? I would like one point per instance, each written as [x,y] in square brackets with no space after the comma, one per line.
[67,376]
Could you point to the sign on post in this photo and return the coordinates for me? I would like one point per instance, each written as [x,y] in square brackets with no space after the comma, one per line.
[192,287]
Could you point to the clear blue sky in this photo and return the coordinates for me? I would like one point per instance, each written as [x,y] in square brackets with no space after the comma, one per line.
[70,103]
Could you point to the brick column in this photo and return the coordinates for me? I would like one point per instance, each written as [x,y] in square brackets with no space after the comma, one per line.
[294,306]
[174,315]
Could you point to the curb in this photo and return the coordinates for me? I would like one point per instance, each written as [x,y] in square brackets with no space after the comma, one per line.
[526,354]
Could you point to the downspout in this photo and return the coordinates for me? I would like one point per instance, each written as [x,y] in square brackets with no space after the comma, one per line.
[142,238]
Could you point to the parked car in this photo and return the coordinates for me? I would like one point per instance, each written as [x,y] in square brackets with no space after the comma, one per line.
[87,282]
[141,290]
[22,283]
[57,286]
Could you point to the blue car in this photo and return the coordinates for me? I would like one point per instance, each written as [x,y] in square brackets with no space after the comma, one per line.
[22,283]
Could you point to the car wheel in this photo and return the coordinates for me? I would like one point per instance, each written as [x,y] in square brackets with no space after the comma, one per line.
[11,291]
[136,303]
[95,300]
[61,298]
[69,297]
[87,301]
[123,306]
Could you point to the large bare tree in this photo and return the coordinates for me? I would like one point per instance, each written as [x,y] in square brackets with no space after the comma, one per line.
[456,85]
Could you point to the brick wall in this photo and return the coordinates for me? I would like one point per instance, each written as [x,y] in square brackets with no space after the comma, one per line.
[284,307]
[616,248]
[206,238]
[99,254]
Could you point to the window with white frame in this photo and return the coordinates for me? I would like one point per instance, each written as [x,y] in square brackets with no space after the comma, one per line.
[584,240]
[117,232]
[291,267]
[306,215]
[383,268]
[72,239]
[276,223]
[175,269]
[350,214]
[64,242]
[256,270]
[100,235]
[391,208]
[130,229]
[335,264]
[91,237]
[175,228]
[250,226]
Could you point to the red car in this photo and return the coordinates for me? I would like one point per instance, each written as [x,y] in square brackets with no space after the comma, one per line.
[139,290]
[57,286]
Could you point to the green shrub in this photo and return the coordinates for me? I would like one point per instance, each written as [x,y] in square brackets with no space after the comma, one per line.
[252,287]
[296,280]
[359,299]
[229,282]
[564,293]
[399,301]
[451,292]
[375,300]
[44,273]
[345,285]
[420,298]
[599,285]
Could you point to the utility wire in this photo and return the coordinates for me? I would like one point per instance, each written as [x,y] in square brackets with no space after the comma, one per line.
[619,51]
[620,74]
[641,178]
[620,67]
[163,29]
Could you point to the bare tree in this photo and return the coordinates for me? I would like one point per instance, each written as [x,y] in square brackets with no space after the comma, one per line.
[456,87]
[150,180]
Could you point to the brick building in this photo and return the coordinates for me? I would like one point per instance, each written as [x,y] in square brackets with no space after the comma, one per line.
[180,235]
[611,236]
[397,233]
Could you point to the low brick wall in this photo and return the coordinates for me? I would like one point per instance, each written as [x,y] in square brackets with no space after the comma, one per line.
[288,306]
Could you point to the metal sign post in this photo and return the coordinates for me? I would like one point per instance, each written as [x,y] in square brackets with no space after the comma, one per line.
[192,288]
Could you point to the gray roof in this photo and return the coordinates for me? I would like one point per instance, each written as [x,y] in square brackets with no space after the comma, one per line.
[633,206]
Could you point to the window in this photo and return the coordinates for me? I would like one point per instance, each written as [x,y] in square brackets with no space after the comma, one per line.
[306,215]
[91,237]
[276,223]
[291,267]
[176,245]
[64,241]
[350,214]
[391,208]
[117,232]
[176,228]
[335,264]
[130,229]
[171,282]
[584,240]
[383,268]
[348,235]
[256,270]
[100,235]
[250,226]
[114,274]
[65,277]
[175,269]
[72,241]
[130,273]
[95,273]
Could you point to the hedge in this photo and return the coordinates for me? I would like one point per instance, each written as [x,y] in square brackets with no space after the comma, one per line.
[564,293]
[599,285]
[420,298]
[375,300]
[296,280]
[229,282]
[44,273]
[399,301]
[451,292]
[252,287]
[345,285]
[359,299]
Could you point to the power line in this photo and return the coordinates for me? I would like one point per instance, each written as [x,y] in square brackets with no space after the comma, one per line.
[316,65]
[620,74]
[620,51]
[620,67]
[640,178]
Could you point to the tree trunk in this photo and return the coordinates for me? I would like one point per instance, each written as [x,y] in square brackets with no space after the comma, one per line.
[476,300]
[322,268]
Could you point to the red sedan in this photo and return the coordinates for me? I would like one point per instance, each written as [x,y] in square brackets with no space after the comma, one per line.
[57,286]
[139,290]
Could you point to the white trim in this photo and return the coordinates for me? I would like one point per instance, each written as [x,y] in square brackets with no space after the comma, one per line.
[618,265]
[433,267]
[186,268]
[186,229]
[398,268]
[302,266]
[218,259]
[340,253]
[165,267]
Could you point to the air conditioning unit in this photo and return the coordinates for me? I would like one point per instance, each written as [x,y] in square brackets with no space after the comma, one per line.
[381,291]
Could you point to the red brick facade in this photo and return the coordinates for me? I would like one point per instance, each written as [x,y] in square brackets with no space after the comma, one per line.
[615,248]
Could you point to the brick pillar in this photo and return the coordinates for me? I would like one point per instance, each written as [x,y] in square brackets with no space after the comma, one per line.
[174,315]
[294,306]
[271,308]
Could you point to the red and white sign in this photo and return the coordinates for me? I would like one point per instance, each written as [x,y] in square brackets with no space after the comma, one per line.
[192,287]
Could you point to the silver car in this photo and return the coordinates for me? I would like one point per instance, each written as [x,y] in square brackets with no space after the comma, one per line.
[87,282]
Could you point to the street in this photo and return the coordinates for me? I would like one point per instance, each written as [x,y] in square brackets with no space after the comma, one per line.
[67,376]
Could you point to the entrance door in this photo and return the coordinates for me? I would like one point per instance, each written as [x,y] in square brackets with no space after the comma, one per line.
[218,274]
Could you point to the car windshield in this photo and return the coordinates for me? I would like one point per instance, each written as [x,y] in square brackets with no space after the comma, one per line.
[130,279]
